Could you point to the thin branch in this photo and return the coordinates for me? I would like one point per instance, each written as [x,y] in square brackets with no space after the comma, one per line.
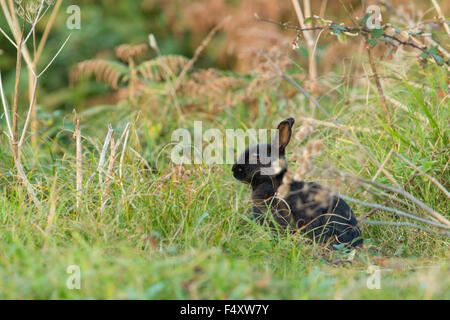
[48,27]
[387,201]
[9,39]
[5,108]
[379,86]
[365,30]
[396,211]
[14,27]
[441,16]
[309,35]
[25,181]
[33,99]
[406,224]
[402,192]
[33,26]
[56,55]
[199,50]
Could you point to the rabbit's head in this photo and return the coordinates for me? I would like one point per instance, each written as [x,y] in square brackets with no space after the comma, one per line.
[263,161]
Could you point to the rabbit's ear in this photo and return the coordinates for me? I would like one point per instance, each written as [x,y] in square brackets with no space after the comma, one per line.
[284,134]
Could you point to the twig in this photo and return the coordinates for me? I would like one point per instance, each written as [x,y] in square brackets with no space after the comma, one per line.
[48,27]
[55,56]
[441,16]
[32,103]
[199,50]
[396,211]
[312,66]
[371,212]
[33,24]
[379,87]
[17,162]
[14,27]
[5,109]
[8,38]
[402,192]
[332,125]
[414,43]
[406,224]
[15,107]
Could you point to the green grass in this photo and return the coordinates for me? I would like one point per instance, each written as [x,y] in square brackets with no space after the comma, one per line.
[191,236]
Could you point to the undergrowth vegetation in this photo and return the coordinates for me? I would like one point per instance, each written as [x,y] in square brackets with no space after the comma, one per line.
[140,227]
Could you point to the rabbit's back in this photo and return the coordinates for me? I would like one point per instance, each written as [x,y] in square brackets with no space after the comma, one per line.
[321,214]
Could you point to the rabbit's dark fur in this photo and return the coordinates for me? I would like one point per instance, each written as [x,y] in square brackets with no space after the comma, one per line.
[317,212]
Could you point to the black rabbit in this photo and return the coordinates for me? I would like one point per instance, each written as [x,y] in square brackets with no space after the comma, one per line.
[316,211]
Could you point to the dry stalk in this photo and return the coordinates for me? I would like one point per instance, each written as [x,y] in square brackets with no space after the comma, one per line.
[387,201]
[379,87]
[441,16]
[113,156]
[102,162]
[122,157]
[22,52]
[396,211]
[406,224]
[309,36]
[79,162]
[402,192]
[332,125]
[36,58]
[124,147]
[53,197]
[383,164]
[198,51]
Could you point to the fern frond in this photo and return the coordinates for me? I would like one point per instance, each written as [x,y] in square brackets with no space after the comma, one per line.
[162,68]
[125,51]
[108,72]
[212,86]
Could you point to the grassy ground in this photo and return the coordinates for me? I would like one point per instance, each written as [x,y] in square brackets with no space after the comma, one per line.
[187,233]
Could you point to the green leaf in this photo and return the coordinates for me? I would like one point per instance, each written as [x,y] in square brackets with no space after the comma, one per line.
[439,59]
[309,19]
[372,42]
[434,52]
[424,55]
[342,38]
[376,33]
[366,17]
